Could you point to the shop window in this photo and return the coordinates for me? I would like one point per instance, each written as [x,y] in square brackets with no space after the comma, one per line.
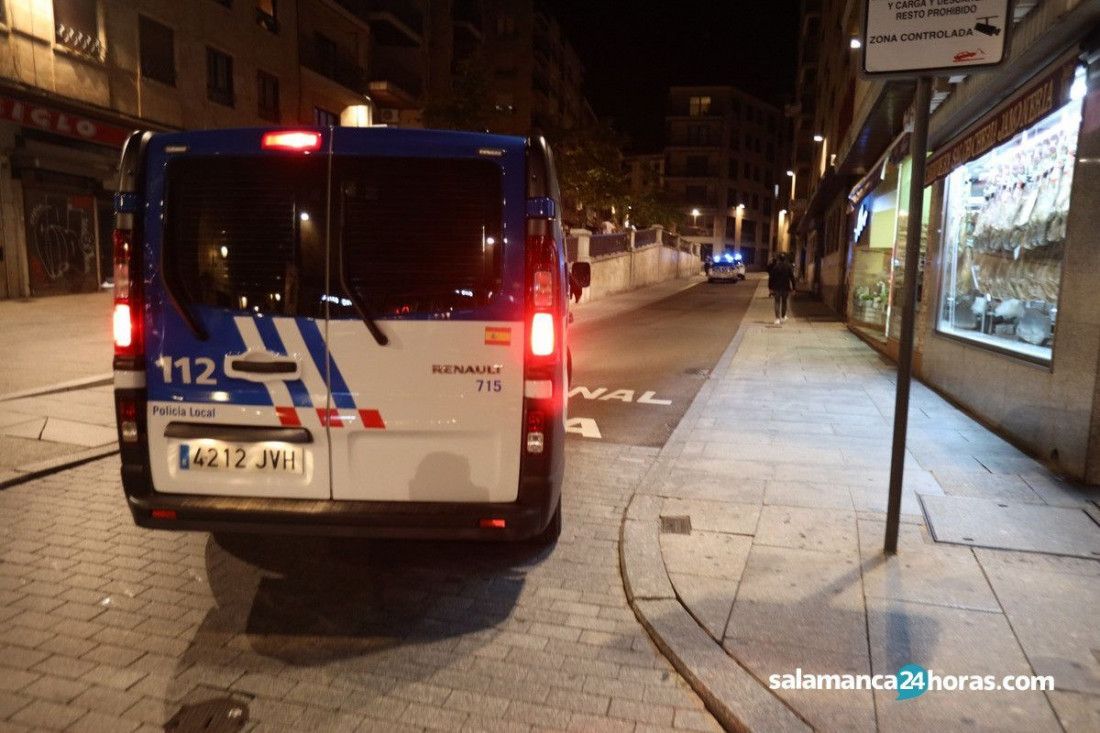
[267,14]
[324,118]
[158,51]
[219,77]
[1004,224]
[699,106]
[76,26]
[267,96]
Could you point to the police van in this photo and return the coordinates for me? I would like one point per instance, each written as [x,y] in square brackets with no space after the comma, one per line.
[355,331]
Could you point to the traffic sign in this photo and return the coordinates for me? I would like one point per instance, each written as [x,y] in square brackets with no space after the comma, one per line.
[918,37]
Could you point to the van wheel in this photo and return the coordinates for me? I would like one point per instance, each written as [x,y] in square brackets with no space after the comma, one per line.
[550,535]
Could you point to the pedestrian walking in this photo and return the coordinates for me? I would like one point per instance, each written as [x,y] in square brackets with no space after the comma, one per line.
[780,283]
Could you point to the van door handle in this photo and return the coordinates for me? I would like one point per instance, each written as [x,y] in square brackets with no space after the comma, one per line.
[265,367]
[262,366]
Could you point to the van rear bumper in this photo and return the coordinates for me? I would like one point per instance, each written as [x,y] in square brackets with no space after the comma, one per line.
[397,520]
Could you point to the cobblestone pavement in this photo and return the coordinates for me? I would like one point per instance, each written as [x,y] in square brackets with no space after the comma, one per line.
[108,627]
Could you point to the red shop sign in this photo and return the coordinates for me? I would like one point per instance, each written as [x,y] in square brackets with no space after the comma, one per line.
[61,123]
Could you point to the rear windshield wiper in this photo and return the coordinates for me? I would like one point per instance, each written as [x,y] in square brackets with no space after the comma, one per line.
[368,318]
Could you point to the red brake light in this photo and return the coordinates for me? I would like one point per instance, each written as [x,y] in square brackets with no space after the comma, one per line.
[542,334]
[126,319]
[542,289]
[303,141]
[493,523]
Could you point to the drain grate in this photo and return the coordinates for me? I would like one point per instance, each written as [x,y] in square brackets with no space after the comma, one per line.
[698,372]
[218,715]
[676,525]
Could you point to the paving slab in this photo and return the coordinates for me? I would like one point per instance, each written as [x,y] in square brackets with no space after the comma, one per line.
[809,495]
[78,433]
[839,710]
[708,599]
[791,596]
[1053,614]
[715,516]
[998,524]
[923,571]
[982,484]
[733,695]
[823,530]
[710,554]
[951,641]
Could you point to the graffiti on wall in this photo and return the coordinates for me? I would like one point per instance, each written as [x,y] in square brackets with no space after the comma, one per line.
[61,242]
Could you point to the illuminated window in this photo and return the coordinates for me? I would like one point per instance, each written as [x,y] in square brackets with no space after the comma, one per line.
[267,14]
[699,106]
[76,26]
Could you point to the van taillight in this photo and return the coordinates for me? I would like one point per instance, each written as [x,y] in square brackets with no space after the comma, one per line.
[299,141]
[126,318]
[541,267]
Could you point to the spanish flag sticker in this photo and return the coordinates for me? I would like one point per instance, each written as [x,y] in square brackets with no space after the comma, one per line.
[498,336]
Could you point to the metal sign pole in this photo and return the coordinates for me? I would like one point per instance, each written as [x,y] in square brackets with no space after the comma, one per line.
[918,145]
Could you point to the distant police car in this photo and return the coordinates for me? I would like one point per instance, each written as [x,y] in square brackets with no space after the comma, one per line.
[342,331]
[727,267]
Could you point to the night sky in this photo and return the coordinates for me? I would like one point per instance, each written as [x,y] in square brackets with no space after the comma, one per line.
[634,50]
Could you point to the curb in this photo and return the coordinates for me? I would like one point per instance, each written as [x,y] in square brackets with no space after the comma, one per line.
[730,692]
[98,380]
[32,471]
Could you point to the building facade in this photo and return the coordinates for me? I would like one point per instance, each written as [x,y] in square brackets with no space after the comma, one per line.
[1006,325]
[724,164]
[76,76]
[536,76]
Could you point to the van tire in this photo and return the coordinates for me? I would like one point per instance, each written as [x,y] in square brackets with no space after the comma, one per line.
[550,535]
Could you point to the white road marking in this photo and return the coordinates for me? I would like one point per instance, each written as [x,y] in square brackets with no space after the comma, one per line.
[648,397]
[584,427]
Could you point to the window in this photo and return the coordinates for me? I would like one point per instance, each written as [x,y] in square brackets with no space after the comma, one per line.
[324,118]
[219,77]
[748,231]
[696,165]
[76,26]
[699,106]
[506,26]
[266,14]
[267,96]
[1004,229]
[756,202]
[767,206]
[327,54]
[398,262]
[158,51]
[696,195]
[236,236]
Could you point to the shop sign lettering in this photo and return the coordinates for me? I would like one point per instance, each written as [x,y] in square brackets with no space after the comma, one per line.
[61,123]
[1022,111]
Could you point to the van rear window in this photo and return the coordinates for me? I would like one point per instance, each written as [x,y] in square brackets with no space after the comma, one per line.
[247,234]
[420,236]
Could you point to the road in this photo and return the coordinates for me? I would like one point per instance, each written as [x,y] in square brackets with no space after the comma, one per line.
[105,626]
[636,373]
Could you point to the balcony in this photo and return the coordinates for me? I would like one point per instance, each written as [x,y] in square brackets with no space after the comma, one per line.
[395,82]
[394,22]
[336,66]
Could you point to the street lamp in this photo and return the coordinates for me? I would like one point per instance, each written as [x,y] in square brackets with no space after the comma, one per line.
[819,138]
[695,217]
[740,213]
[794,180]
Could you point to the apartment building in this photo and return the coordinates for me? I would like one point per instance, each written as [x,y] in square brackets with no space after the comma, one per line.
[536,75]
[724,162]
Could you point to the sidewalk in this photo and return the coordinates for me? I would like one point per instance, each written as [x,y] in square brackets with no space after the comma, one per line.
[754,547]
[56,408]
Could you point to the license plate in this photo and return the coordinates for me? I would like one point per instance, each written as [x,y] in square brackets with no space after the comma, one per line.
[254,458]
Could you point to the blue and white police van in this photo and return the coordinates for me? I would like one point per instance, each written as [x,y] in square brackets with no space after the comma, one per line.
[356,331]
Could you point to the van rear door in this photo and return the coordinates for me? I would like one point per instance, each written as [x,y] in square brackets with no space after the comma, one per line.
[426,341]
[235,271]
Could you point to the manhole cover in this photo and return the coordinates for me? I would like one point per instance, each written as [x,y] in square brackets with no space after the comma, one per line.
[676,525]
[218,715]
